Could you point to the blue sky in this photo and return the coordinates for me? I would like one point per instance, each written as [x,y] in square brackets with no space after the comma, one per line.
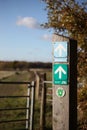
[21,37]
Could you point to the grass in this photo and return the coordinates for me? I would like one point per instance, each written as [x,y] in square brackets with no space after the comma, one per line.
[5,74]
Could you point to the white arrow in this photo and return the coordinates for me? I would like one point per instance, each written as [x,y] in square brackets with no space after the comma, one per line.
[60,48]
[60,70]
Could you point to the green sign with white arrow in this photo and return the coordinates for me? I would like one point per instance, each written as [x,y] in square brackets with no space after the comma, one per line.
[60,74]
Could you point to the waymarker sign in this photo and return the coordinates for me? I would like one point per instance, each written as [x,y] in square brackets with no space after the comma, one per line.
[60,92]
[60,51]
[60,73]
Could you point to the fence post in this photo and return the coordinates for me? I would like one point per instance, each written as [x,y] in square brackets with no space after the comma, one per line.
[43,102]
[32,104]
[37,86]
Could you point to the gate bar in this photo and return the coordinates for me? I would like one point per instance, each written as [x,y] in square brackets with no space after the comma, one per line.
[20,108]
[32,105]
[28,106]
[6,82]
[13,96]
[12,121]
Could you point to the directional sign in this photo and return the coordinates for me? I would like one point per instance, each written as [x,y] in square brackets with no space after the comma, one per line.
[60,74]
[60,51]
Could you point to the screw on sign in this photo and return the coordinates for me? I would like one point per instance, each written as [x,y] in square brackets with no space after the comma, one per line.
[60,92]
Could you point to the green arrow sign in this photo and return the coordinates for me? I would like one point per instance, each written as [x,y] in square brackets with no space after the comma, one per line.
[60,74]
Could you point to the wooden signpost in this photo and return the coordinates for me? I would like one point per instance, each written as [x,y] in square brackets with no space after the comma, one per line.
[64,83]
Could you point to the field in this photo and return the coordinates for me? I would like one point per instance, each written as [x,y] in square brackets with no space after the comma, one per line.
[12,90]
[5,74]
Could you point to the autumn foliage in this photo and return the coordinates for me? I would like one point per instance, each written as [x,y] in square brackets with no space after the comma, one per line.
[69,18]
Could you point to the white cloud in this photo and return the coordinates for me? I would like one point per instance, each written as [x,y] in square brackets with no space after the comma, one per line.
[47,37]
[29,22]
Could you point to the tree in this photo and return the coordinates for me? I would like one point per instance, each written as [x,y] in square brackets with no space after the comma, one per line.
[68,17]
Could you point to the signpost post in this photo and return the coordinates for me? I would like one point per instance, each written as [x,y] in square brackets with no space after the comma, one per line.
[64,83]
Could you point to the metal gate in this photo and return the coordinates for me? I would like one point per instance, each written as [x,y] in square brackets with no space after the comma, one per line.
[6,107]
[38,111]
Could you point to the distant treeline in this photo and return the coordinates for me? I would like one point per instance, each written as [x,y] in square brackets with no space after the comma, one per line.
[23,65]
